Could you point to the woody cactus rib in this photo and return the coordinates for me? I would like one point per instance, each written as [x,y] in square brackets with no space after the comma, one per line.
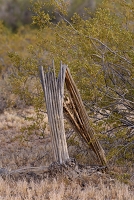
[79,119]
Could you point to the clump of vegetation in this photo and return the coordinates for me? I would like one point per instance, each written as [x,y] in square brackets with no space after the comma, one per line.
[79,6]
[16,13]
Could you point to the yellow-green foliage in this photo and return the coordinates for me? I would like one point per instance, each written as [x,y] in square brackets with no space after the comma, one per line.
[100,54]
[17,42]
[4,35]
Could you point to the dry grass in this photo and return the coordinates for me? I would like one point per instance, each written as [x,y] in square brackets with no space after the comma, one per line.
[21,150]
[61,190]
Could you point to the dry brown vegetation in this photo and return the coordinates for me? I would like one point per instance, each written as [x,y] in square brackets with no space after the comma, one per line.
[61,190]
[23,150]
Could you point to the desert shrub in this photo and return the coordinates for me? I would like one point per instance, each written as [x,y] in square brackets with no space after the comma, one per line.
[12,42]
[2,104]
[15,13]
[99,53]
[79,6]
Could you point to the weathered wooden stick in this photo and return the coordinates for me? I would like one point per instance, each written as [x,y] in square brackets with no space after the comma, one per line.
[47,98]
[80,118]
[54,92]
[4,171]
[60,88]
